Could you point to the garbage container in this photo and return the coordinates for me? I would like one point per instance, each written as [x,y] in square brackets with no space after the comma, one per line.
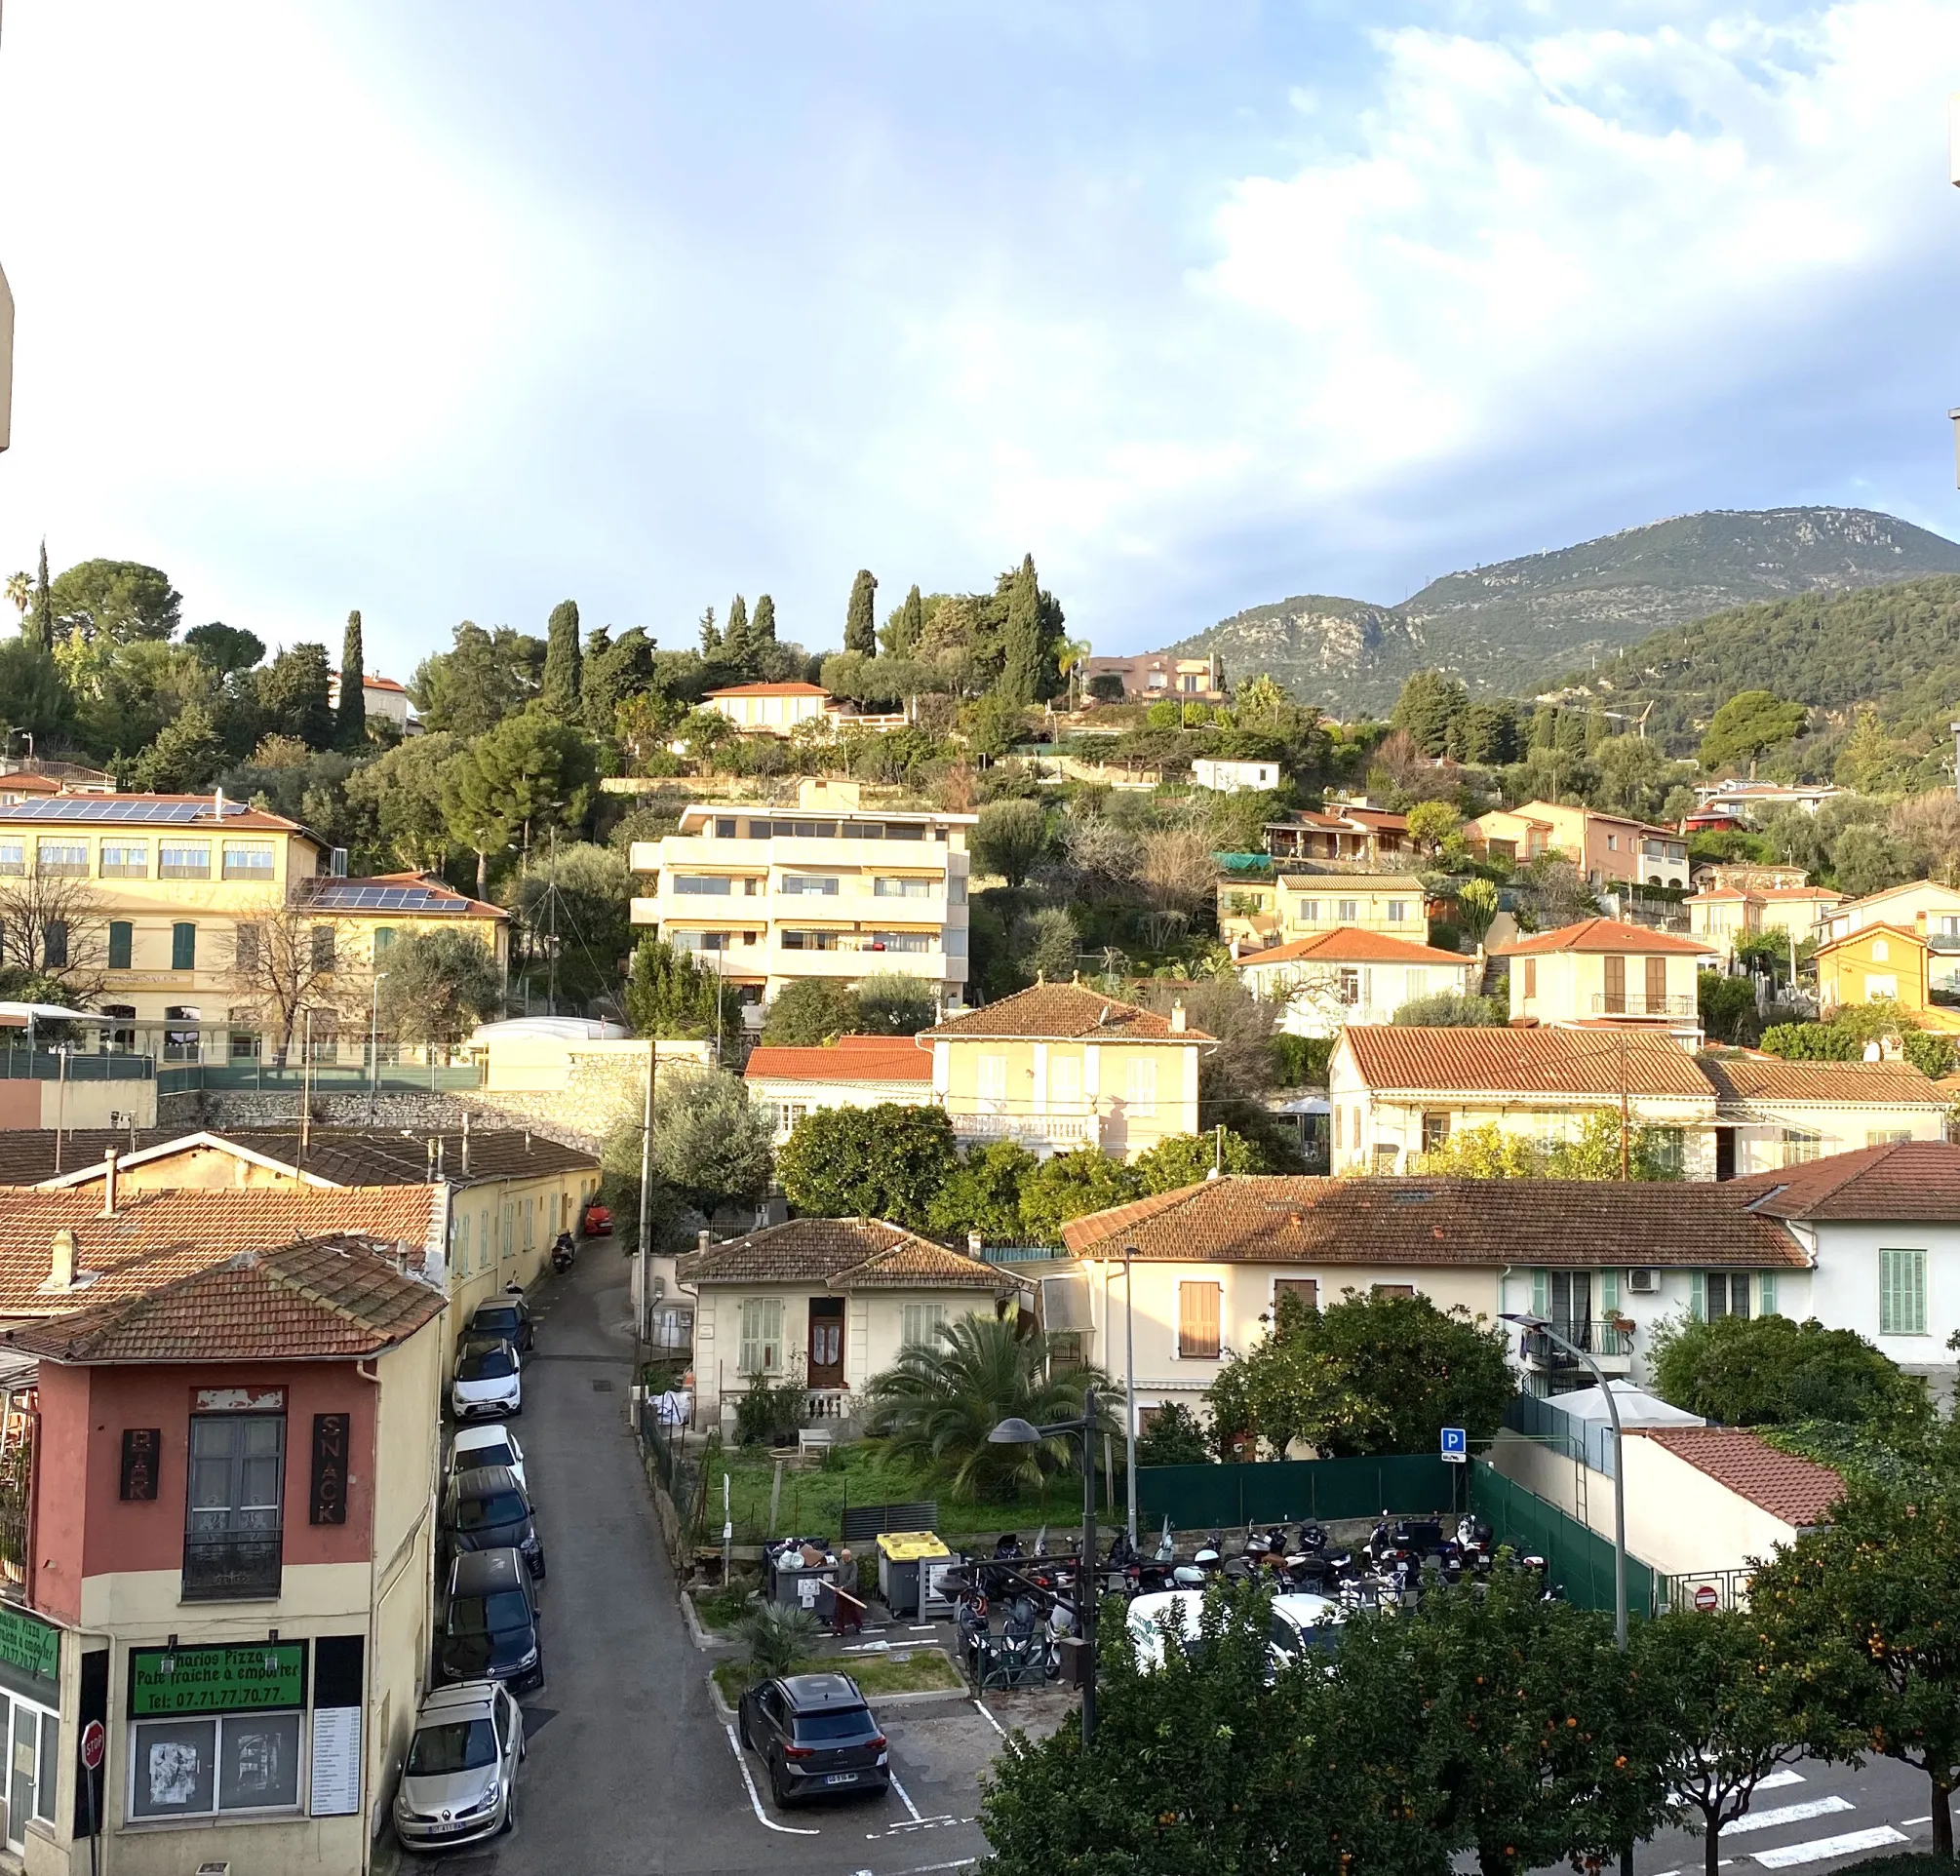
[797,1572]
[906,1577]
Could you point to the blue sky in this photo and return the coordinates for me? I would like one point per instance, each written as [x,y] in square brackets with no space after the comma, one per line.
[453,310]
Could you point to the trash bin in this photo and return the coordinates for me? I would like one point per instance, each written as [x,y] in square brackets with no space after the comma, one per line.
[906,1577]
[797,1572]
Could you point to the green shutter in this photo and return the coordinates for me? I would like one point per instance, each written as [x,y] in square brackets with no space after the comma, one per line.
[1901,1293]
[1769,1293]
[1541,1293]
[1609,1293]
[121,937]
[1698,1297]
[183,947]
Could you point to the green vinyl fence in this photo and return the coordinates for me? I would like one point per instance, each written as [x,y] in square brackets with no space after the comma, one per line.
[1578,1557]
[1204,1498]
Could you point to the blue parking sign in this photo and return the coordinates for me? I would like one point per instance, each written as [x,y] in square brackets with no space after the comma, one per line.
[1456,1445]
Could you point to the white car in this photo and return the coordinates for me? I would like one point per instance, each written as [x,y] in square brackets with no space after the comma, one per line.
[489,1381]
[460,1780]
[1303,1622]
[496,1445]
[1151,1618]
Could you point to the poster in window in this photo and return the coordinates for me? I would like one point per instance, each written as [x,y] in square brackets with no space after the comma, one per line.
[328,1500]
[140,1448]
[174,1762]
[259,1763]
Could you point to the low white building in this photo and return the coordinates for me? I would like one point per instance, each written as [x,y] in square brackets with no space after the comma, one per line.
[1233,777]
[1348,976]
[852,1072]
[381,697]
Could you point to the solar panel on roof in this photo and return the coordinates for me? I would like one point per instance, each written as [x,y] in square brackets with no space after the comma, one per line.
[100,808]
[349,895]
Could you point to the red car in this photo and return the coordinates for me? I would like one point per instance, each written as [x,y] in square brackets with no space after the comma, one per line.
[598,1221]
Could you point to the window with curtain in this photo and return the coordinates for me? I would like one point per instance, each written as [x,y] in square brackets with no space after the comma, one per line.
[1197,1317]
[1140,1080]
[179,859]
[989,1083]
[61,858]
[761,1339]
[249,860]
[125,859]
[1901,1293]
[918,1323]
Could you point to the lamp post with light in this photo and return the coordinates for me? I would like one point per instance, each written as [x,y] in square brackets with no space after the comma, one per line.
[1015,1431]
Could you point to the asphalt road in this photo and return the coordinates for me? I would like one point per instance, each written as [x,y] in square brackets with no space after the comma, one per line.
[632,1772]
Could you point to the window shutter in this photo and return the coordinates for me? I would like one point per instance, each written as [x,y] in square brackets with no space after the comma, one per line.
[1541,1293]
[1657,985]
[1197,1321]
[1698,1297]
[1915,1265]
[1609,1292]
[121,938]
[183,947]
[749,1358]
[1768,1294]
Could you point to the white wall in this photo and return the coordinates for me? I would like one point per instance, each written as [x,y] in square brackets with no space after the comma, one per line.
[1844,1289]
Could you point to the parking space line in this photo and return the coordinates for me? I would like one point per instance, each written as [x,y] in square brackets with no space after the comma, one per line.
[756,1797]
[988,1718]
[904,1796]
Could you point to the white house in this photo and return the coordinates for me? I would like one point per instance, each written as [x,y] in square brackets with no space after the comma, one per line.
[381,697]
[1346,976]
[1231,777]
[852,1072]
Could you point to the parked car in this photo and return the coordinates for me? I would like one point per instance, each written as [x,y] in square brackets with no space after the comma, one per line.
[486,1509]
[508,1317]
[815,1734]
[1302,1622]
[491,1625]
[494,1445]
[488,1380]
[1150,1619]
[598,1221]
[460,1780]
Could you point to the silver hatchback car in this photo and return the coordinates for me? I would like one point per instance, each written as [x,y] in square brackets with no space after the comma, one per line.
[460,1780]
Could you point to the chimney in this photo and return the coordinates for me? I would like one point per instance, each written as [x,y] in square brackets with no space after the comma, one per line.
[219,805]
[701,1240]
[973,1243]
[62,1265]
[110,1182]
[526,1140]
[1176,1022]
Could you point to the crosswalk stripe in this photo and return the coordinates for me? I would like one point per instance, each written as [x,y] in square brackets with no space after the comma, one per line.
[1821,1848]
[1778,1778]
[1788,1815]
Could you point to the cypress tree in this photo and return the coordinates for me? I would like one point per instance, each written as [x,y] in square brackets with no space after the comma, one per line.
[351,717]
[562,663]
[860,621]
[711,635]
[737,648]
[910,625]
[43,613]
[1021,641]
[763,627]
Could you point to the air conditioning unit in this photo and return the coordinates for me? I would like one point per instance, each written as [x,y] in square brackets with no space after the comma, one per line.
[1643,1282]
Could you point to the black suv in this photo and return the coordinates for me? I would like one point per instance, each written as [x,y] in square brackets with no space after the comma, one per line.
[486,1509]
[815,1734]
[507,1320]
[490,1629]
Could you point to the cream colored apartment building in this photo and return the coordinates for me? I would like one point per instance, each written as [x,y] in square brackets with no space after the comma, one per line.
[1254,914]
[828,889]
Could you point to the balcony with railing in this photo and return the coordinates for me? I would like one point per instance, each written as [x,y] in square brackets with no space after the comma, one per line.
[1060,1132]
[231,1566]
[1635,1002]
[1610,1344]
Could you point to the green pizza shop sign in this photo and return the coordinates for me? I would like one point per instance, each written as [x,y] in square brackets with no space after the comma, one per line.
[29,1644]
[217,1680]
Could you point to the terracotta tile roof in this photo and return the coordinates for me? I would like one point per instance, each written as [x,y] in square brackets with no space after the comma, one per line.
[1719,893]
[850,1058]
[1522,1061]
[840,1254]
[1908,1179]
[1286,1218]
[1767,1077]
[1799,893]
[334,1156]
[155,1237]
[1360,883]
[771,691]
[1798,1491]
[1893,892]
[1067,1011]
[1380,817]
[1352,945]
[337,1298]
[1606,935]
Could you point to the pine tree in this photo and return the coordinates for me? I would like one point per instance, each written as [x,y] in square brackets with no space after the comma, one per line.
[351,717]
[910,625]
[711,635]
[562,663]
[860,619]
[43,615]
[1021,665]
[763,627]
[737,646]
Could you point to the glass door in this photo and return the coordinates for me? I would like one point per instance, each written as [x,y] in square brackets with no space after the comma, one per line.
[23,1765]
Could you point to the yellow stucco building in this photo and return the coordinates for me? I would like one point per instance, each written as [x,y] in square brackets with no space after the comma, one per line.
[1874,963]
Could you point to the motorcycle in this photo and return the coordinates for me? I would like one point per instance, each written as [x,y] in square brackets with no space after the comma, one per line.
[564,1253]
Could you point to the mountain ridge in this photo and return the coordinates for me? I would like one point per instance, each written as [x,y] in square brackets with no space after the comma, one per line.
[1512,627]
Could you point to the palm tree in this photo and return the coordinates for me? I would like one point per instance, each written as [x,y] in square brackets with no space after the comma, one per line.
[939,1401]
[20,589]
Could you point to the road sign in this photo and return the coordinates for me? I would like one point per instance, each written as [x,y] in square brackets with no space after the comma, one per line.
[1456,1445]
[1705,1598]
[93,1739]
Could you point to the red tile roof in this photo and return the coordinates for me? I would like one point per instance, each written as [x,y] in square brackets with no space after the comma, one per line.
[838,1254]
[1352,945]
[155,1237]
[335,1298]
[1859,933]
[1068,1012]
[1916,1180]
[1606,935]
[1767,1077]
[1798,892]
[1358,884]
[850,1058]
[1521,1061]
[1489,1222]
[1798,1491]
[771,691]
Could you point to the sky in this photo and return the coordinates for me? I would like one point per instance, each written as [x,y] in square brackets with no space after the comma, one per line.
[456,309]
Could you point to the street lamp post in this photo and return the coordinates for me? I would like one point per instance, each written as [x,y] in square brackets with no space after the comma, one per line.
[374,1046]
[1015,1431]
[1538,1325]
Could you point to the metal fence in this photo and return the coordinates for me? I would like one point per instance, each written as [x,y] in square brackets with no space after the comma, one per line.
[325,1078]
[1578,1558]
[1590,1441]
[1207,1498]
[17,1063]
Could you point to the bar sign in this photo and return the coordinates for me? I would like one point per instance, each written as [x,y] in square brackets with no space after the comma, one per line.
[329,1504]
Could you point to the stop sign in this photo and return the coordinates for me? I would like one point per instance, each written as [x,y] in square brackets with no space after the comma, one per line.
[1706,1597]
[91,1745]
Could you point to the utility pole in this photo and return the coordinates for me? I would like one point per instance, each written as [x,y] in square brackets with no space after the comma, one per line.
[1623,1174]
[645,1257]
[551,913]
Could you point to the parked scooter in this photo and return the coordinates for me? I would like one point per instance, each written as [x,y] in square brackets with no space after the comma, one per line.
[564,1252]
